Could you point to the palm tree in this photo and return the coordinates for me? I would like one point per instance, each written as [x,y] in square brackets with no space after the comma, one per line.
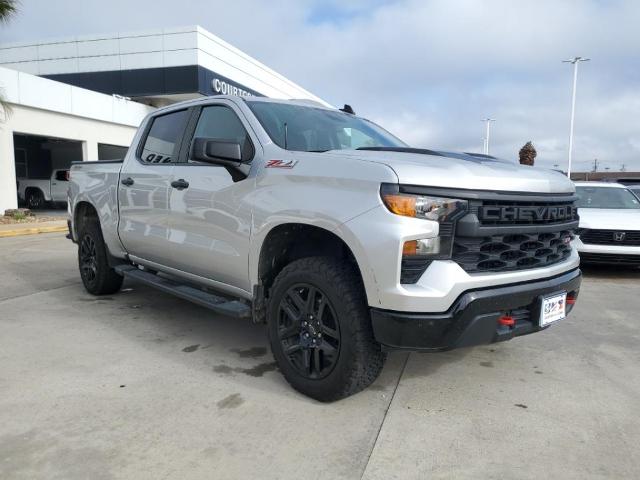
[7,9]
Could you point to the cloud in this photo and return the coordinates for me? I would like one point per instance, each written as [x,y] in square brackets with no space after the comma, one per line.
[427,70]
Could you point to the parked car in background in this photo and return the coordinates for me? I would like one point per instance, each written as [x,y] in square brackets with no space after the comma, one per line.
[609,229]
[635,188]
[37,193]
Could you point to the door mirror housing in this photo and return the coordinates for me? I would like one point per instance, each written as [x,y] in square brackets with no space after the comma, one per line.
[216,151]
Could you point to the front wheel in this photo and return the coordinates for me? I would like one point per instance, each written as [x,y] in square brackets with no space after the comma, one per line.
[320,329]
[97,276]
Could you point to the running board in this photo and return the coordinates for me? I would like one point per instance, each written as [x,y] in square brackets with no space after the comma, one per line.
[219,304]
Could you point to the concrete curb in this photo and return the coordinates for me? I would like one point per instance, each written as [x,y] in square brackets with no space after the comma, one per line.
[32,230]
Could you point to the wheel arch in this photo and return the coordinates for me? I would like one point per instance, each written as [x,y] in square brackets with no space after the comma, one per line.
[82,213]
[287,242]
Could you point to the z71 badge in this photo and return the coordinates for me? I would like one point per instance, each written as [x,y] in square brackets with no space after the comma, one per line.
[281,164]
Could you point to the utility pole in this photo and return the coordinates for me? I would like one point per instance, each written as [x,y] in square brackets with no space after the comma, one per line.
[488,131]
[574,61]
[623,168]
[595,165]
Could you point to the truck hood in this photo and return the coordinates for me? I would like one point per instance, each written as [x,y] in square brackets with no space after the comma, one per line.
[609,219]
[467,172]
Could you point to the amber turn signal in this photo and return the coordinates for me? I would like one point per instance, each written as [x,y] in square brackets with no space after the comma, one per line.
[401,204]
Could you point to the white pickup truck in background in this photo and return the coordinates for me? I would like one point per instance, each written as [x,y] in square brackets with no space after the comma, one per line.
[36,193]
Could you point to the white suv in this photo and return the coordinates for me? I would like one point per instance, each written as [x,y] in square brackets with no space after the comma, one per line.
[609,224]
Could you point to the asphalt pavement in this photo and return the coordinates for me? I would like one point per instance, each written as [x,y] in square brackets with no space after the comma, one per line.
[142,385]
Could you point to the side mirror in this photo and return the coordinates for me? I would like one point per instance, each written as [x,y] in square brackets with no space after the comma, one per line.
[220,152]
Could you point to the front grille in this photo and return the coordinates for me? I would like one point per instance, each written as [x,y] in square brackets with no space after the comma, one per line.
[500,253]
[610,237]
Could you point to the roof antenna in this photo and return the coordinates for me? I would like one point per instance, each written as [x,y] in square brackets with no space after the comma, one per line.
[286,134]
[347,109]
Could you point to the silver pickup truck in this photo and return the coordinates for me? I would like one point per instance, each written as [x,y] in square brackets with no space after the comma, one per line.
[336,234]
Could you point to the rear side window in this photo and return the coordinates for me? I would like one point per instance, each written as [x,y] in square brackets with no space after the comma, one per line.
[163,136]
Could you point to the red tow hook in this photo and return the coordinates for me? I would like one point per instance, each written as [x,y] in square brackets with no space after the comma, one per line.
[507,321]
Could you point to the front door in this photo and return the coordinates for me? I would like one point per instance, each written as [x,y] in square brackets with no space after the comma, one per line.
[210,220]
[59,185]
[145,187]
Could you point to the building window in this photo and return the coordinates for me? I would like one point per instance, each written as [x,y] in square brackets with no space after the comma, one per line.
[20,155]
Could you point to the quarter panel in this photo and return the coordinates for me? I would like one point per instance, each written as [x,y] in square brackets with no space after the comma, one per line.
[97,185]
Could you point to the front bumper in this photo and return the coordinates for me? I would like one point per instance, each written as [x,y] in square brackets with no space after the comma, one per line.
[473,318]
[376,239]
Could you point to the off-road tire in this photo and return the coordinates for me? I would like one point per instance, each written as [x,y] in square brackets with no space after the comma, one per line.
[360,359]
[97,276]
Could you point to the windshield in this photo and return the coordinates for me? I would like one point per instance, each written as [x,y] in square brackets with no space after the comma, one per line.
[310,129]
[606,197]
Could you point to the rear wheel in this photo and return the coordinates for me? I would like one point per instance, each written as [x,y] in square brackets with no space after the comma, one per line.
[97,276]
[320,329]
[35,199]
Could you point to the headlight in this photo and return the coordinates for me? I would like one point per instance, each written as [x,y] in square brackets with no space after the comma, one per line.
[438,209]
[418,254]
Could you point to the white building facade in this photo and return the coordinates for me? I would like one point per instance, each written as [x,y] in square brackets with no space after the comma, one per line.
[82,98]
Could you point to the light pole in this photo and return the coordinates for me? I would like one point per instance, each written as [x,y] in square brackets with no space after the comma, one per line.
[486,138]
[575,61]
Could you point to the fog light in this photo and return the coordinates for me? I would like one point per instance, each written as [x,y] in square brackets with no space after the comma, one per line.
[424,246]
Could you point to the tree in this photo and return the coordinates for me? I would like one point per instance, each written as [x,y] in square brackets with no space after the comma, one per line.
[528,154]
[8,8]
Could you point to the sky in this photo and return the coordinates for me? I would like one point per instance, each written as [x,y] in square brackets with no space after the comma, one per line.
[427,70]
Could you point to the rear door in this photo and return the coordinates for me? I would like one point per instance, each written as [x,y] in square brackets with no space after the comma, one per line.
[210,218]
[145,186]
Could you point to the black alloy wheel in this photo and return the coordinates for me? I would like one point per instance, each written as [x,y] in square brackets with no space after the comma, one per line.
[308,331]
[35,199]
[88,259]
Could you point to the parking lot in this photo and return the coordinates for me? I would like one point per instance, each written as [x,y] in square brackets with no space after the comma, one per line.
[143,385]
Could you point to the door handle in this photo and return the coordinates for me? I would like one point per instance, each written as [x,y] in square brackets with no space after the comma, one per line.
[127,181]
[180,184]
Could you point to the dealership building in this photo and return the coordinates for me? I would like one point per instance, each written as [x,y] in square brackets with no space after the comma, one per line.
[82,98]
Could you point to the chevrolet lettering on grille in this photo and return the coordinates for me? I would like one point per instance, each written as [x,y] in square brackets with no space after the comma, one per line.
[534,213]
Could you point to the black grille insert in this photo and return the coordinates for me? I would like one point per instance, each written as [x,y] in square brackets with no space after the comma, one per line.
[413,267]
[610,237]
[500,253]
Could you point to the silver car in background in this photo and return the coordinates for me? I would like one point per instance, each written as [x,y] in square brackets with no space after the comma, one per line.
[609,224]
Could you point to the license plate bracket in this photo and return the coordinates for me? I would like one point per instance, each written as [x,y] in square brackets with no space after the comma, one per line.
[553,308]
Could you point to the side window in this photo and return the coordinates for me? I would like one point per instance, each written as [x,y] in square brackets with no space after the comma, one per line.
[62,175]
[221,123]
[163,136]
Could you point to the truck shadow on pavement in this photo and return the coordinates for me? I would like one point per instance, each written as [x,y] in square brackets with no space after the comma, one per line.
[225,349]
